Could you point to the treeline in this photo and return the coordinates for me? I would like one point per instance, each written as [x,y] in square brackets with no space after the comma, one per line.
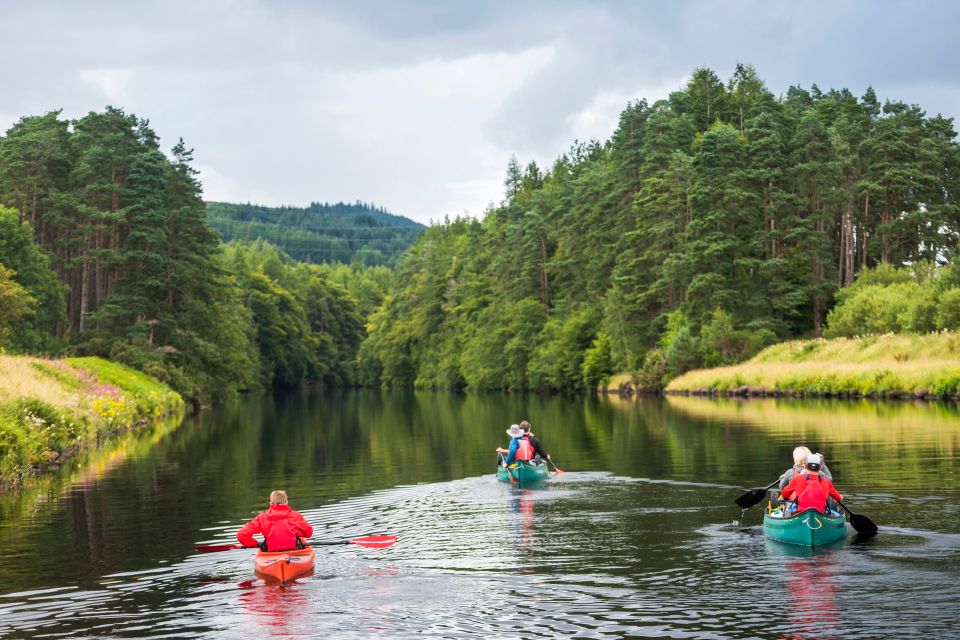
[357,233]
[711,223]
[105,250]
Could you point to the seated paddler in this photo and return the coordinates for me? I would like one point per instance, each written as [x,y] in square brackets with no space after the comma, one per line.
[283,529]
[811,487]
[519,447]
[528,434]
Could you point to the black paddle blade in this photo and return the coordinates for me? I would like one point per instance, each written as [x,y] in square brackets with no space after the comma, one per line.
[863,525]
[750,498]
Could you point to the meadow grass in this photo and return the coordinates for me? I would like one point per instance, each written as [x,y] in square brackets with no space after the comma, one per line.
[50,410]
[885,365]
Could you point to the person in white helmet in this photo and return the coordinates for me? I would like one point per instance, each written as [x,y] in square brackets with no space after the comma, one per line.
[810,489]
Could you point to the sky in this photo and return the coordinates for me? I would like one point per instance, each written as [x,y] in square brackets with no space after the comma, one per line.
[417,106]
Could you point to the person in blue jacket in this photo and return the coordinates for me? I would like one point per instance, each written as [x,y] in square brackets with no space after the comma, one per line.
[515,433]
[523,446]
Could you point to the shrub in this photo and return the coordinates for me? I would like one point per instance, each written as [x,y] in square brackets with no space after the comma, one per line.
[948,310]
[598,361]
[653,374]
[683,354]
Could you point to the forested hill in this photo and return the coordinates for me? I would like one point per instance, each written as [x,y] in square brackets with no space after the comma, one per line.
[356,233]
[710,224]
[105,249]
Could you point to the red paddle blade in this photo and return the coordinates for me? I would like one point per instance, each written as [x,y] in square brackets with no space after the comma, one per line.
[374,542]
[210,548]
[558,470]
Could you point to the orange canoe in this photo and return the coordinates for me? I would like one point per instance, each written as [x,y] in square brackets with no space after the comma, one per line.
[284,565]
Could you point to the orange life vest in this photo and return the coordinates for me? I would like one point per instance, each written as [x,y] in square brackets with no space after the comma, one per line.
[524,449]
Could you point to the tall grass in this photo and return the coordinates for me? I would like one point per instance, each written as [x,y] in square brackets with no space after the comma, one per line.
[885,365]
[52,409]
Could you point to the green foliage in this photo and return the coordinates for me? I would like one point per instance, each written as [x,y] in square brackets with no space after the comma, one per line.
[683,353]
[722,199]
[356,233]
[559,362]
[948,310]
[885,299]
[15,303]
[598,362]
[306,326]
[721,344]
[31,267]
[655,371]
[104,398]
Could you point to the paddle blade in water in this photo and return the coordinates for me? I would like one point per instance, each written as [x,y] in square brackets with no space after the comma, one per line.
[211,548]
[863,525]
[374,542]
[750,498]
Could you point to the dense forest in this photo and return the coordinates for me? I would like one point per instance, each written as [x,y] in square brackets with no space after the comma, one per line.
[710,224]
[105,250]
[356,233]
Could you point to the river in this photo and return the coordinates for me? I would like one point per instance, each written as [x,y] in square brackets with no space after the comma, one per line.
[639,538]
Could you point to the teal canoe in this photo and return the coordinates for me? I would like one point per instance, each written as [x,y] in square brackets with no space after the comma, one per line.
[526,474]
[809,527]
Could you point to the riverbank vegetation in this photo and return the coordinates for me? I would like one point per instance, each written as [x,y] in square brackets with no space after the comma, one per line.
[890,365]
[711,224]
[105,250]
[894,334]
[50,410]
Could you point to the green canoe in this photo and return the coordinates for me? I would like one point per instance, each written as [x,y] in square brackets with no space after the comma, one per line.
[526,474]
[808,527]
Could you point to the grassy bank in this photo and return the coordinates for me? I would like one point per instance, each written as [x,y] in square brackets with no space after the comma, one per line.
[50,410]
[891,365]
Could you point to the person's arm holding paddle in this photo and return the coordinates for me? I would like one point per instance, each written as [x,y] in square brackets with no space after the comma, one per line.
[514,432]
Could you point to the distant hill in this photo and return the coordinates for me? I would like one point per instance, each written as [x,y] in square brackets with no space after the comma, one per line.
[322,232]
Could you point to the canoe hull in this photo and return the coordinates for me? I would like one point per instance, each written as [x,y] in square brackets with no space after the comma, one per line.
[809,528]
[284,565]
[525,474]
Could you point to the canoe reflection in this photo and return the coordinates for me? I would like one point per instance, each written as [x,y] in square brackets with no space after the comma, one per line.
[279,608]
[811,597]
[523,506]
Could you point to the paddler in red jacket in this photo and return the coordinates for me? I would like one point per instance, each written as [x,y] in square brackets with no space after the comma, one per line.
[281,526]
[810,487]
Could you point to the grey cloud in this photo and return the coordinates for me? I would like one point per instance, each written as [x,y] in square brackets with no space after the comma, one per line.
[281,99]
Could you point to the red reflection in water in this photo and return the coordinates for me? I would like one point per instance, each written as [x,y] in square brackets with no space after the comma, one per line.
[389,570]
[812,610]
[274,606]
[523,505]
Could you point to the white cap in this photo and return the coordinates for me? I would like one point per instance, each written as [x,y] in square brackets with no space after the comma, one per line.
[514,431]
[815,458]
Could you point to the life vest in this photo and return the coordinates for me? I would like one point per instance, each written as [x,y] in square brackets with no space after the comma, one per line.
[813,496]
[524,449]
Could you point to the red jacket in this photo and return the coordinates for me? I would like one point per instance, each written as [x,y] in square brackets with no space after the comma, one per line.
[814,499]
[280,526]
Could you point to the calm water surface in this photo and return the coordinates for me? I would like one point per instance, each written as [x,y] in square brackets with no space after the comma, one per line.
[639,538]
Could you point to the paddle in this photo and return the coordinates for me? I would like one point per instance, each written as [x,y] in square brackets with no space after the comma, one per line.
[509,475]
[555,467]
[862,524]
[372,542]
[754,496]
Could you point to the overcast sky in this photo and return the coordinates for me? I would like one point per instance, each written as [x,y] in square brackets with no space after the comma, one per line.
[417,106]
